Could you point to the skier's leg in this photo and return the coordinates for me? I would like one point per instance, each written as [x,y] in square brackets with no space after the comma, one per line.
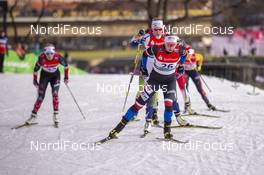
[55,86]
[133,110]
[169,96]
[187,81]
[43,83]
[155,104]
[151,112]
[198,83]
[177,112]
[185,94]
[151,108]
[140,85]
[140,89]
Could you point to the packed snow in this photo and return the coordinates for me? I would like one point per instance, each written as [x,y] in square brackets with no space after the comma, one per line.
[237,148]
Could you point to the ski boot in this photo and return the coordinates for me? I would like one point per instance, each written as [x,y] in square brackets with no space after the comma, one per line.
[167,131]
[188,109]
[32,118]
[168,136]
[180,120]
[147,126]
[211,107]
[155,117]
[118,128]
[55,119]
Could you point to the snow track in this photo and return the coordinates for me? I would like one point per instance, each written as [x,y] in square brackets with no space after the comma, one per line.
[240,143]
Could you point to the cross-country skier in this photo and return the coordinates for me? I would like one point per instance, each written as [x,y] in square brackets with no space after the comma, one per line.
[168,58]
[48,62]
[148,38]
[191,70]
[181,81]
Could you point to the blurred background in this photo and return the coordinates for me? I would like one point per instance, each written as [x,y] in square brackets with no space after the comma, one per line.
[238,57]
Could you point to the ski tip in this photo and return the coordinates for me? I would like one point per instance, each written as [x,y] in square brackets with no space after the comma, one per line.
[218,127]
[105,140]
[97,143]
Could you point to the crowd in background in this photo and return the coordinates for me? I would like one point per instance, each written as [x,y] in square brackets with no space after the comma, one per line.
[244,42]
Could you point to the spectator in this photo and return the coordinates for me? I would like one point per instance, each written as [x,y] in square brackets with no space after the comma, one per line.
[66,56]
[225,52]
[253,51]
[239,52]
[3,50]
[20,51]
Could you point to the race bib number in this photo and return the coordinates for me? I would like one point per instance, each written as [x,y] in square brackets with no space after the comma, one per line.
[164,68]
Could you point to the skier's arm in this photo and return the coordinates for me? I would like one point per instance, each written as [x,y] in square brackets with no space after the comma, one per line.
[35,73]
[143,64]
[138,39]
[151,51]
[64,62]
[183,54]
[199,59]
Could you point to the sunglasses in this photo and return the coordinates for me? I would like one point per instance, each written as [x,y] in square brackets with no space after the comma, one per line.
[157,29]
[171,44]
[49,54]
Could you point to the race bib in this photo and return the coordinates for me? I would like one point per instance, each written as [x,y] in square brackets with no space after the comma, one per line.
[50,69]
[164,68]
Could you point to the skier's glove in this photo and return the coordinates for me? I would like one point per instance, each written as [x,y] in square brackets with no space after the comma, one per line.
[35,83]
[181,69]
[199,69]
[182,43]
[141,32]
[66,80]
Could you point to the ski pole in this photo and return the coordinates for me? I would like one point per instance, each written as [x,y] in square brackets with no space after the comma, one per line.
[75,101]
[201,77]
[205,83]
[132,75]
